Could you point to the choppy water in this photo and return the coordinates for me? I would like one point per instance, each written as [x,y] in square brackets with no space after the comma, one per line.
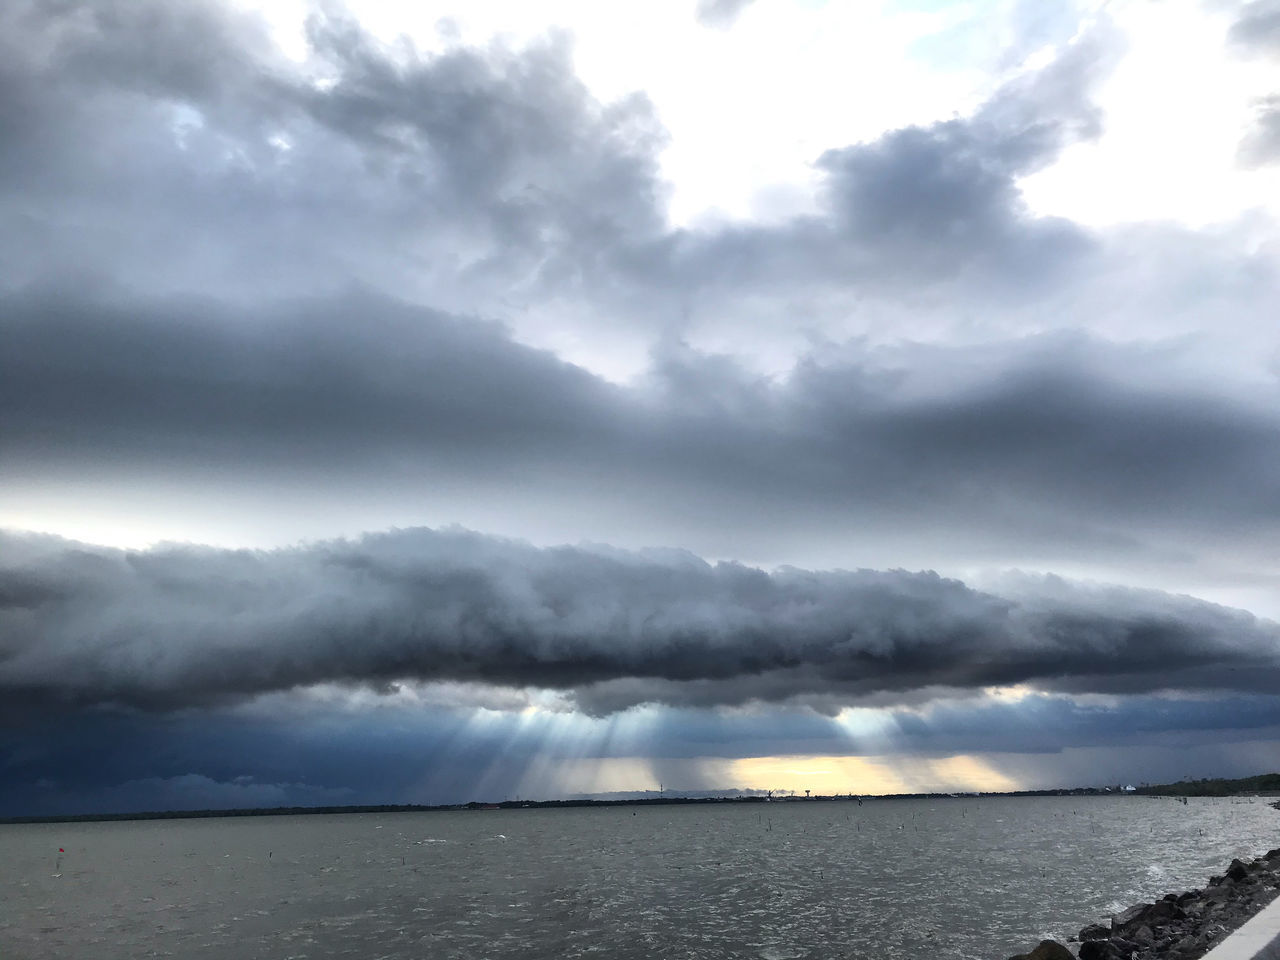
[964,878]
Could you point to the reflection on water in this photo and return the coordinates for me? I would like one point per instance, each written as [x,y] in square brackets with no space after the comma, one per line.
[979,878]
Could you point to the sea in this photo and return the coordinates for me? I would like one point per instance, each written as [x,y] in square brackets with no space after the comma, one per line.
[972,877]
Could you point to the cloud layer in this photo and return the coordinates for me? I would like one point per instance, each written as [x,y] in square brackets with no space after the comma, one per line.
[1051,446]
[176,627]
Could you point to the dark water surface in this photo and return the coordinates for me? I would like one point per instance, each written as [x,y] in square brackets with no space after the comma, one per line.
[962,878]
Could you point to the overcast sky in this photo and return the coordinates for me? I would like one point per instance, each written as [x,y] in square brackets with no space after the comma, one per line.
[537,399]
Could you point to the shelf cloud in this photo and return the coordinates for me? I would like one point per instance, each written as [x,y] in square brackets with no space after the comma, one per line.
[179,626]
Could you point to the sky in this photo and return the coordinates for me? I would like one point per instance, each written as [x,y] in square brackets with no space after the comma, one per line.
[432,403]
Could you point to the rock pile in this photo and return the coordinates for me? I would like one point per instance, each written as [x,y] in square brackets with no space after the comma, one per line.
[1181,926]
[1048,950]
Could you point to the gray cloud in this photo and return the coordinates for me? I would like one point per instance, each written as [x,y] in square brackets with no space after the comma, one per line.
[180,626]
[929,203]
[239,169]
[513,138]
[193,379]
[1057,441]
[1256,32]
[720,13]
[1257,29]
[1262,144]
[489,181]
[472,179]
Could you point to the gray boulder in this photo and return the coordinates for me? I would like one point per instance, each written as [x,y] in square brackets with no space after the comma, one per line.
[1095,931]
[1121,920]
[1188,946]
[1101,950]
[1047,950]
[1142,935]
[1104,950]
[1161,913]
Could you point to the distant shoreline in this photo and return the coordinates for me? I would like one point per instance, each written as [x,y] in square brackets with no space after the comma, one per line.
[1161,790]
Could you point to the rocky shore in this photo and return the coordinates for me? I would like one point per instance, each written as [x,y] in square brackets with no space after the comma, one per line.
[1179,926]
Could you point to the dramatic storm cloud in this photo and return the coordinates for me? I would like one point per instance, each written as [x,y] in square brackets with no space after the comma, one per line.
[176,626]
[772,308]
[458,173]
[1058,445]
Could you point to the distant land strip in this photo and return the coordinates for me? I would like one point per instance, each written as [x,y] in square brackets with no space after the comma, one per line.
[1263,785]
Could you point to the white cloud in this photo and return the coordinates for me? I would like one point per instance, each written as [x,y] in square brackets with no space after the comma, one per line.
[1176,108]
[751,107]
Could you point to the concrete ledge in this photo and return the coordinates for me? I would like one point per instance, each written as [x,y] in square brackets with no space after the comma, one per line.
[1259,939]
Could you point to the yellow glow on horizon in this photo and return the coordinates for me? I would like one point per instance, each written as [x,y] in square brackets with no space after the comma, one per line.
[832,775]
[866,775]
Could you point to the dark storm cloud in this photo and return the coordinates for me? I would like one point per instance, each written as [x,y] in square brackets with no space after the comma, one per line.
[1050,724]
[1056,437]
[305,385]
[179,626]
[514,136]
[103,762]
[472,176]
[489,180]
[289,751]
[128,145]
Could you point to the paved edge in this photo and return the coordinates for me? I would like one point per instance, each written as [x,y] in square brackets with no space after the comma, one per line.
[1258,939]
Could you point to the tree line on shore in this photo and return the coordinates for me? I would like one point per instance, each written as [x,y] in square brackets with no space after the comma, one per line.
[1267,783]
